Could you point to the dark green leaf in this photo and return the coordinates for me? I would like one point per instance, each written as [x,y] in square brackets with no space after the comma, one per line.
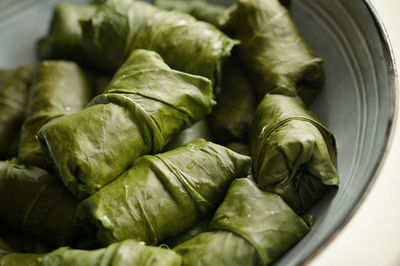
[14,93]
[164,195]
[125,253]
[64,42]
[120,26]
[251,227]
[60,88]
[273,50]
[294,154]
[146,105]
[34,201]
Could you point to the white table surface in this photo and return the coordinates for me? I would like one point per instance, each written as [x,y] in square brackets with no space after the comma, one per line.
[372,236]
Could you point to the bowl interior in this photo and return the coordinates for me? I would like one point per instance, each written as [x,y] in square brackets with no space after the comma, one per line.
[356,104]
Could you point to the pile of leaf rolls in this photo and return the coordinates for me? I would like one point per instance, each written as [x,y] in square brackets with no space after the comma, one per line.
[173,133]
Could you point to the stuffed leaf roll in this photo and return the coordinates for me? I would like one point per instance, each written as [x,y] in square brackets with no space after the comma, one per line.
[120,26]
[60,88]
[14,93]
[65,39]
[128,252]
[294,154]
[146,104]
[162,196]
[251,227]
[273,50]
[34,201]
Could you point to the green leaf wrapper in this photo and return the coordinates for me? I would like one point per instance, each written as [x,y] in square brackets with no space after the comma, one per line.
[164,195]
[19,259]
[60,88]
[145,106]
[232,117]
[128,252]
[14,93]
[294,154]
[273,50]
[251,227]
[120,26]
[200,9]
[34,201]
[65,39]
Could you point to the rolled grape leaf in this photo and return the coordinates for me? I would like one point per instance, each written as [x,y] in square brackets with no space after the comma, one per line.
[294,154]
[164,195]
[14,93]
[273,50]
[120,26]
[65,39]
[35,202]
[232,117]
[200,9]
[128,252]
[145,106]
[60,88]
[200,130]
[251,227]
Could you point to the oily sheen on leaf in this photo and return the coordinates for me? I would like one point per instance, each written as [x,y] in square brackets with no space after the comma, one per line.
[164,195]
[145,106]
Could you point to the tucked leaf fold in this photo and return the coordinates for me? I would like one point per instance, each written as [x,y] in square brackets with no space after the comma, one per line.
[251,227]
[107,37]
[294,154]
[145,106]
[164,195]
[34,201]
[273,50]
[60,88]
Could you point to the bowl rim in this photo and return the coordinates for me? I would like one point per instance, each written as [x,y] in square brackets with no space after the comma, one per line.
[390,130]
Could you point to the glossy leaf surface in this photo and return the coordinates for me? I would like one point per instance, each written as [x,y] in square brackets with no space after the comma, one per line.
[146,105]
[294,154]
[164,195]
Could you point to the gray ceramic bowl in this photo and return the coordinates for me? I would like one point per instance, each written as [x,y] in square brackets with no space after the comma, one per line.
[358,102]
